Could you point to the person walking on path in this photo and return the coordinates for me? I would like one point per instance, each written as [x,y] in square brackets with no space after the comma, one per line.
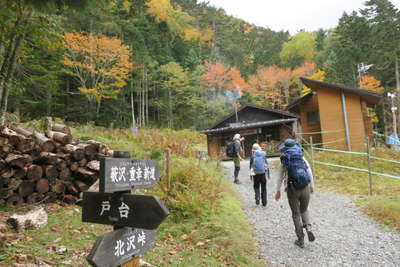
[259,167]
[296,174]
[237,158]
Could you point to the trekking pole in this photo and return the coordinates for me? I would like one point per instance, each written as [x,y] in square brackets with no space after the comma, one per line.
[168,168]
[312,158]
[369,166]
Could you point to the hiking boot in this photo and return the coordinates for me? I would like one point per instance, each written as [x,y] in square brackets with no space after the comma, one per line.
[237,182]
[257,202]
[310,234]
[264,204]
[299,243]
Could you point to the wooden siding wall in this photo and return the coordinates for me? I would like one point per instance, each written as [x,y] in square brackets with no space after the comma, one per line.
[331,115]
[310,105]
[356,122]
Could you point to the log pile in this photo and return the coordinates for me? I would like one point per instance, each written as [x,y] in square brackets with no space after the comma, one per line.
[45,167]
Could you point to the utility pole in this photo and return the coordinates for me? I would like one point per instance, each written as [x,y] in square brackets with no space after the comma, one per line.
[394,109]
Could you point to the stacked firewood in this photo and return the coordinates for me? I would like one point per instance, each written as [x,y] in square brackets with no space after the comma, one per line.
[36,167]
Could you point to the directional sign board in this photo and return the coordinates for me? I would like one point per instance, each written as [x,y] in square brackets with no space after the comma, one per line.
[122,174]
[118,247]
[139,211]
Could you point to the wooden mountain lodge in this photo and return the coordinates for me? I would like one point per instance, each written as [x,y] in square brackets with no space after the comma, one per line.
[335,115]
[268,127]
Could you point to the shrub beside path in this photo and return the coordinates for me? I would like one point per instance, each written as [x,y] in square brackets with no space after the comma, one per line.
[344,235]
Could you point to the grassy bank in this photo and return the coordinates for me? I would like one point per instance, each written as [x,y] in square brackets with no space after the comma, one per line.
[383,204]
[206,226]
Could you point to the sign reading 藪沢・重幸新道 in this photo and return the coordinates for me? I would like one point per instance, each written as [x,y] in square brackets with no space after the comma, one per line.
[123,174]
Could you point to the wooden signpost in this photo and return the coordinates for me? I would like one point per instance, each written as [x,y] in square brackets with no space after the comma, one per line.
[115,248]
[122,174]
[141,211]
[134,217]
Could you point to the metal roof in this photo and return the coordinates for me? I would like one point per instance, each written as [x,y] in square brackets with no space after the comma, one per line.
[241,126]
[370,96]
[281,112]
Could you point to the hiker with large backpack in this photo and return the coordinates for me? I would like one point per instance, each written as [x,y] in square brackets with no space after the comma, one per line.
[259,167]
[296,174]
[233,150]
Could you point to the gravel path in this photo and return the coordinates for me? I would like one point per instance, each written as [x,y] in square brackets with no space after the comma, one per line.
[344,235]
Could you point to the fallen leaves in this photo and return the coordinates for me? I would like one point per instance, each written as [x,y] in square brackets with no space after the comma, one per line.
[55,228]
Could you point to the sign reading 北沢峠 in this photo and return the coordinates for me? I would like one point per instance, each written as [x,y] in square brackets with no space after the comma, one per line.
[123,174]
[118,247]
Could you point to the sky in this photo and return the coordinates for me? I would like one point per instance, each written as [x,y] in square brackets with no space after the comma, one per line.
[291,15]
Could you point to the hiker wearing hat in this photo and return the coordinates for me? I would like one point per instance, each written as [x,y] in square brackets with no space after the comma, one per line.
[237,158]
[296,174]
[259,166]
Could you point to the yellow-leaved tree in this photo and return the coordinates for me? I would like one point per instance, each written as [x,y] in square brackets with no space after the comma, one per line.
[179,22]
[99,63]
[369,82]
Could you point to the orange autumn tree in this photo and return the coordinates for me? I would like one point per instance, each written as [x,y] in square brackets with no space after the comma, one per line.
[270,85]
[219,78]
[369,82]
[100,64]
[235,81]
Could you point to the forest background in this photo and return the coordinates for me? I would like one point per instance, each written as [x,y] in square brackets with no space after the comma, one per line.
[179,63]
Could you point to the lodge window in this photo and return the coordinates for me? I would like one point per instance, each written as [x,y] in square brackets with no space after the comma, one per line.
[272,134]
[313,117]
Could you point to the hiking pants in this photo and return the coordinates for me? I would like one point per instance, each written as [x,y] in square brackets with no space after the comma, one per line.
[236,162]
[259,181]
[298,202]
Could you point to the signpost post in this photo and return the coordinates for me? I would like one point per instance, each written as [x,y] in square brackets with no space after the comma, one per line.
[134,217]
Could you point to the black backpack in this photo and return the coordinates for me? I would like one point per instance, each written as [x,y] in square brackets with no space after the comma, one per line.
[230,150]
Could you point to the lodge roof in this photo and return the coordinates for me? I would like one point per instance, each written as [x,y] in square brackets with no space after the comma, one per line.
[369,96]
[241,126]
[281,112]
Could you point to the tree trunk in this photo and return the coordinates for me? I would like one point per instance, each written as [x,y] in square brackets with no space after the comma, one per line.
[59,137]
[35,172]
[76,152]
[6,82]
[26,188]
[45,143]
[20,161]
[61,128]
[42,186]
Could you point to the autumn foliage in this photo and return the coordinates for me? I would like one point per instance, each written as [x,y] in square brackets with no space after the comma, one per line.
[371,83]
[100,64]
[219,78]
[274,86]
[179,22]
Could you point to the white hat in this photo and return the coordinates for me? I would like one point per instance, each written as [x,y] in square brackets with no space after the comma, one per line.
[236,137]
[256,147]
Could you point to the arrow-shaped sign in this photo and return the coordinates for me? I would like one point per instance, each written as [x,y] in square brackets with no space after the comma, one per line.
[122,174]
[139,211]
[120,246]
